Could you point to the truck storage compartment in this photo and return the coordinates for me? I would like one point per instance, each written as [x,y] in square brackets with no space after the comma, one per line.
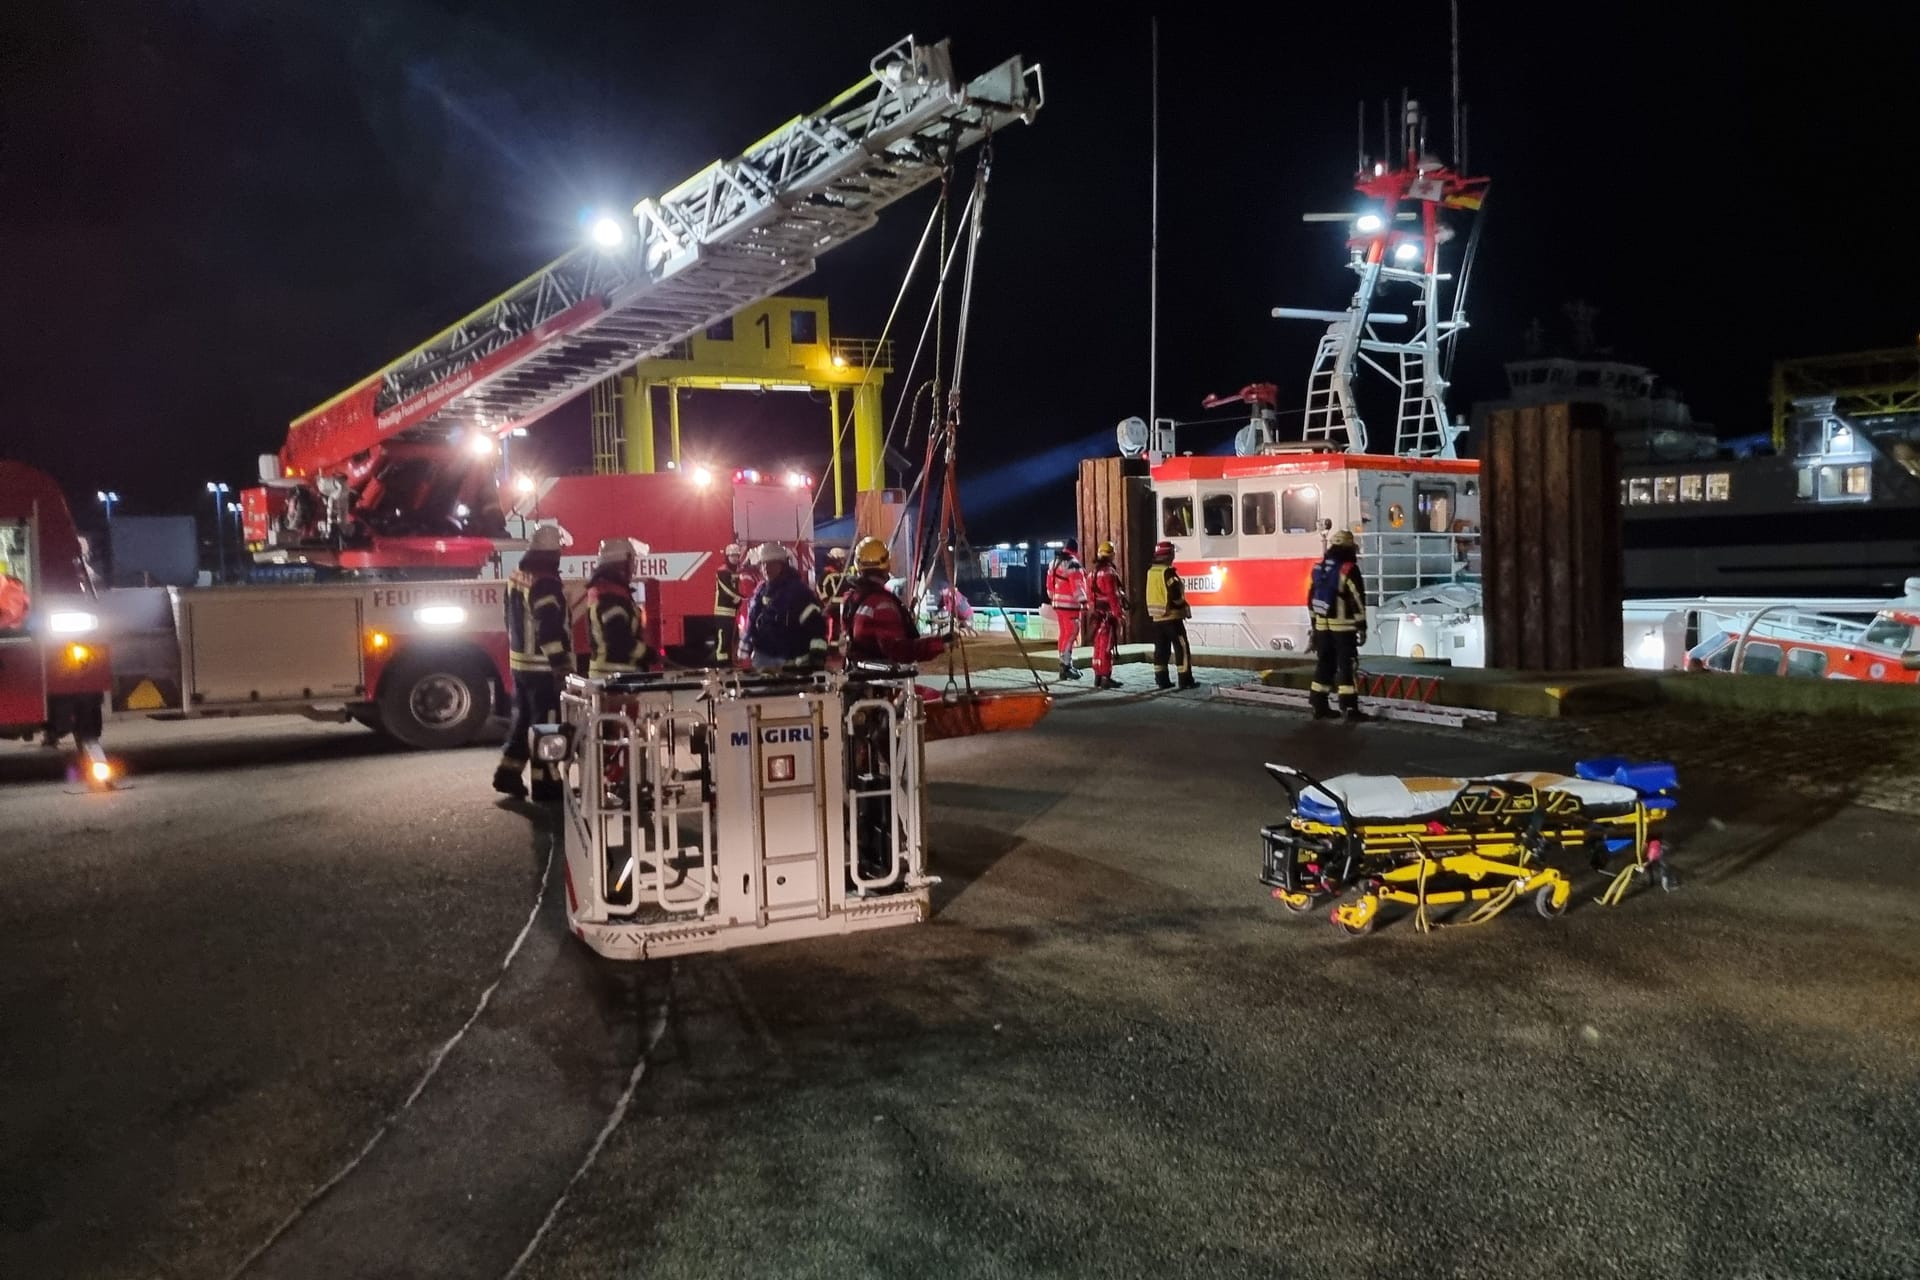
[240,646]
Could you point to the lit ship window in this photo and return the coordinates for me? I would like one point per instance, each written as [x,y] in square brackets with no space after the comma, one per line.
[1256,512]
[1639,491]
[1300,509]
[1719,484]
[1176,517]
[1691,487]
[1666,489]
[1216,511]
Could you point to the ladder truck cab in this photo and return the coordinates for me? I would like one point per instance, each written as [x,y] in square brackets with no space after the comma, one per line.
[54,672]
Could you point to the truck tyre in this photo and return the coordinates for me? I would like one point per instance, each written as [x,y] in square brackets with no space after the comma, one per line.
[432,701]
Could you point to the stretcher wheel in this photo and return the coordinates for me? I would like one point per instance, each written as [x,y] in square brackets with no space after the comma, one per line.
[1544,904]
[1663,875]
[1298,904]
[1360,928]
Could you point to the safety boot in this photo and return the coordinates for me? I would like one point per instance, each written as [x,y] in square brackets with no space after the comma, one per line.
[1354,714]
[1161,681]
[1187,681]
[1317,702]
[1068,671]
[507,782]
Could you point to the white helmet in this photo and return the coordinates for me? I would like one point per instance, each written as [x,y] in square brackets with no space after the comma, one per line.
[735,551]
[548,537]
[616,551]
[771,551]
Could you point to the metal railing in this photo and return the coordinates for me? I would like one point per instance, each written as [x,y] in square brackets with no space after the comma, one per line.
[1396,564]
[861,353]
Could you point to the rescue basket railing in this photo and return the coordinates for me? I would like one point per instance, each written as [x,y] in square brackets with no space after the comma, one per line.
[896,774]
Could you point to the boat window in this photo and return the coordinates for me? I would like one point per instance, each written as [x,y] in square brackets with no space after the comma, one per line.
[1666,488]
[1176,517]
[1639,491]
[1691,487]
[1300,509]
[1887,633]
[1436,509]
[1715,653]
[1719,485]
[803,326]
[1623,493]
[1859,481]
[1216,513]
[16,567]
[1803,482]
[1759,659]
[720,330]
[1256,512]
[1807,662]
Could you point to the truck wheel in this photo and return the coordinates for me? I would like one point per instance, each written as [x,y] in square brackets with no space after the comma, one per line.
[432,701]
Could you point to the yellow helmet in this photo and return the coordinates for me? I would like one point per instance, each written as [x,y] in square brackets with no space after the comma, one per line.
[871,553]
[1105,551]
[1341,538]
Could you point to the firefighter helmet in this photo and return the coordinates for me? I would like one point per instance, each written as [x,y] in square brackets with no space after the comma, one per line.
[871,553]
[770,551]
[616,551]
[1341,538]
[548,537]
[1105,551]
[734,551]
[1164,551]
[838,555]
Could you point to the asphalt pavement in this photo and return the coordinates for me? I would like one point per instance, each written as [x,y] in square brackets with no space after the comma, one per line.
[1110,1053]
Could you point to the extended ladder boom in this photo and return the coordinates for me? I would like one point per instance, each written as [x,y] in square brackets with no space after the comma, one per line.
[734,233]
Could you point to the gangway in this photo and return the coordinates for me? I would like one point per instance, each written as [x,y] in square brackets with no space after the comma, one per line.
[384,460]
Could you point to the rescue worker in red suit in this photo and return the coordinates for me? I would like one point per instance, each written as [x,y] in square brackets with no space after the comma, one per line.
[730,590]
[1109,599]
[1067,593]
[616,622]
[540,655]
[1337,600]
[879,627]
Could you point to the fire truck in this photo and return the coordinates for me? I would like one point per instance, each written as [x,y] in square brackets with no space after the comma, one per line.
[54,671]
[390,490]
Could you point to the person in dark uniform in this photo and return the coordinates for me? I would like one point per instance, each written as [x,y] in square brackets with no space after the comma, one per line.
[616,623]
[540,645]
[1337,599]
[729,592]
[786,626]
[1167,610]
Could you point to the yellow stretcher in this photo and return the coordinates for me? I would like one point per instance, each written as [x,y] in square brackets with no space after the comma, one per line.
[1431,842]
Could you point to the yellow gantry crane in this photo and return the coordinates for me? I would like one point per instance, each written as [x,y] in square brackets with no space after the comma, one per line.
[779,344]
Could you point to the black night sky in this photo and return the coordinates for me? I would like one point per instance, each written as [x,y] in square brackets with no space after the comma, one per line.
[217,214]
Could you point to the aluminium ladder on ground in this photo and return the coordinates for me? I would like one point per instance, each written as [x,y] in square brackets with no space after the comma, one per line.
[734,233]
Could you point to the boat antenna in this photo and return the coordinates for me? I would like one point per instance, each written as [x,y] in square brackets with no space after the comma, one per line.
[1459,143]
[1153,255]
[1360,140]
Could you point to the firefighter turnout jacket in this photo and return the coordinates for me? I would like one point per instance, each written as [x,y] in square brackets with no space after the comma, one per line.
[786,620]
[1166,595]
[616,625]
[727,590]
[538,632]
[1337,596]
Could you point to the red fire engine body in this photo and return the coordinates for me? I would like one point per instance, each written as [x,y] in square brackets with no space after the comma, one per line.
[54,669]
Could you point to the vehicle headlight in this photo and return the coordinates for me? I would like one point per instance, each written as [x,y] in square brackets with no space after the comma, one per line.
[72,623]
[440,615]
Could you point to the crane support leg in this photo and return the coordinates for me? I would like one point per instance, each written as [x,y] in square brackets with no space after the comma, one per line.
[868,442]
[833,463]
[636,423]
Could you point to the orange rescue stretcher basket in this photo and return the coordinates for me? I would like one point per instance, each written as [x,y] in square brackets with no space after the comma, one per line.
[971,713]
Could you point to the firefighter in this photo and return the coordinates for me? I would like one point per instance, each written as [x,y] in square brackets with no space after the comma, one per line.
[1337,599]
[728,592]
[879,627]
[1109,606]
[834,579]
[615,621]
[786,625]
[1067,593]
[1167,609]
[539,636]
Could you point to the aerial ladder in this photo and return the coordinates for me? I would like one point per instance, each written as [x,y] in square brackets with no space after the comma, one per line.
[398,471]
